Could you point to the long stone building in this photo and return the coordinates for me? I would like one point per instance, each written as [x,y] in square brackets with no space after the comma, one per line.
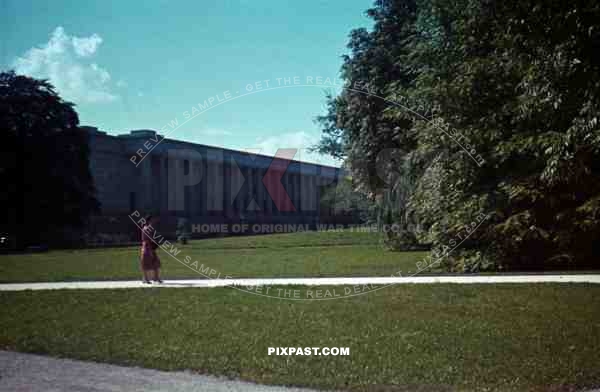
[142,171]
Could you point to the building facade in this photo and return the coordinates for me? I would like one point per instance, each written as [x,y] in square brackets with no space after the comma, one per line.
[142,171]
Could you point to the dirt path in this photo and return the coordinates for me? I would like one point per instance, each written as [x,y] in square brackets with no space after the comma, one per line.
[27,372]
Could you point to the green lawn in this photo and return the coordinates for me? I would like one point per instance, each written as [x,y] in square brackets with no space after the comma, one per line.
[468,337]
[279,255]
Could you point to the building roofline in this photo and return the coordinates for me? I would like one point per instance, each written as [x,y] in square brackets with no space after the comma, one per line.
[145,133]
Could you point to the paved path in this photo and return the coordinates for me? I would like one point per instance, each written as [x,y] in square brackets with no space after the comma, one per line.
[33,373]
[462,279]
[27,372]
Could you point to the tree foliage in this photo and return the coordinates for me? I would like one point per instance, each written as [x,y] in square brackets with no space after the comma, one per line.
[44,165]
[491,109]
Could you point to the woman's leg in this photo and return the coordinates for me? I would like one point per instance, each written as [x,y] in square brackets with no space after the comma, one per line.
[144,265]
[145,271]
[157,268]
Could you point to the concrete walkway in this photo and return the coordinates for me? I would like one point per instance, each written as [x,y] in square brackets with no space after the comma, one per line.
[461,279]
[27,372]
[33,373]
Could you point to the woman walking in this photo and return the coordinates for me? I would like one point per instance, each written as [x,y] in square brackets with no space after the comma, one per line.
[149,260]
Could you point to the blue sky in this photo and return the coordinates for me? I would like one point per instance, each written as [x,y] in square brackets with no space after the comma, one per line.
[140,65]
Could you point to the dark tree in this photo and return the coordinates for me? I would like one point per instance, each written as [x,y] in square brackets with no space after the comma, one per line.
[516,83]
[44,163]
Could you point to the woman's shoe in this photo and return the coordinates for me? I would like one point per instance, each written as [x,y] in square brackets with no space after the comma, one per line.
[158,280]
[146,281]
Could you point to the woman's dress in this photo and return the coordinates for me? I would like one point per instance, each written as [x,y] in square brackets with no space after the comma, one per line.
[148,259]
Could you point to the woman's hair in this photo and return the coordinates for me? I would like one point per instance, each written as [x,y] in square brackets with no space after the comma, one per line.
[148,218]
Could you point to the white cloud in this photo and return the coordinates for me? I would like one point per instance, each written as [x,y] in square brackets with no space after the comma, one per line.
[86,46]
[302,141]
[62,60]
[121,83]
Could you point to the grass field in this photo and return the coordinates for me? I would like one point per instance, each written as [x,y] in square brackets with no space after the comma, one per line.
[408,337]
[305,254]
[466,337]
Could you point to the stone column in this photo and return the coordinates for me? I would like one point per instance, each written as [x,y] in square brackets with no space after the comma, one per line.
[237,179]
[290,186]
[209,186]
[163,185]
[259,196]
[249,189]
[318,202]
[293,190]
[308,197]
[197,192]
[219,188]
[277,197]
[226,188]
[145,185]
[243,201]
[268,203]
